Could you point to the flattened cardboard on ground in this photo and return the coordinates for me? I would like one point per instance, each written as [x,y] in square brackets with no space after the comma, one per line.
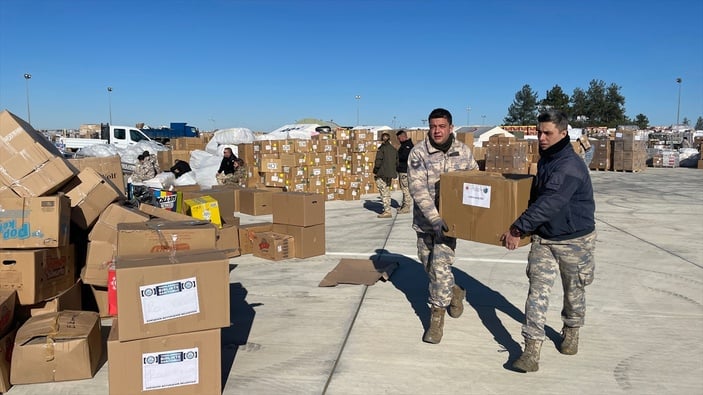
[8,304]
[298,208]
[7,343]
[69,299]
[159,236]
[480,206]
[109,167]
[161,295]
[105,229]
[35,222]
[176,364]
[90,194]
[358,271]
[57,347]
[39,274]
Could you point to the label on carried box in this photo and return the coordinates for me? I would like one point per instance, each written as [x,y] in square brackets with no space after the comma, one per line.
[173,368]
[169,300]
[476,195]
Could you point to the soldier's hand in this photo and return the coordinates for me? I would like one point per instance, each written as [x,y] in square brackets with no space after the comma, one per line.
[439,228]
[511,242]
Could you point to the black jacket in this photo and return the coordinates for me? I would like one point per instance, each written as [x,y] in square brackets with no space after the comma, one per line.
[386,161]
[403,154]
[227,165]
[561,204]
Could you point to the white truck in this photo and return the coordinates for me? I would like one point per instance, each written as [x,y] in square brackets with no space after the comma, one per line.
[120,136]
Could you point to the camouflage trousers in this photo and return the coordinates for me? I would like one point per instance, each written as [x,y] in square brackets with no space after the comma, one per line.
[574,260]
[437,256]
[405,187]
[223,178]
[384,188]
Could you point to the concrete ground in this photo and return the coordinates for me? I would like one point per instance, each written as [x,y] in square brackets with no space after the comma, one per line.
[643,333]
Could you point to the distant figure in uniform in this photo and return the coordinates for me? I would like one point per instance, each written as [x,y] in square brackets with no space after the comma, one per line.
[144,170]
[384,170]
[225,174]
[438,153]
[685,143]
[153,160]
[403,153]
[560,219]
[586,147]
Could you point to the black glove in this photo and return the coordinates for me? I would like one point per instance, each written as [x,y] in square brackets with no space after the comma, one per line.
[439,228]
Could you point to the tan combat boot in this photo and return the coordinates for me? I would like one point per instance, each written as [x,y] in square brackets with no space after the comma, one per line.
[385,214]
[456,307]
[529,360]
[404,210]
[436,330]
[569,340]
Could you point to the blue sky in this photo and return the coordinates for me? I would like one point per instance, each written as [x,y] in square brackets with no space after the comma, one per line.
[263,64]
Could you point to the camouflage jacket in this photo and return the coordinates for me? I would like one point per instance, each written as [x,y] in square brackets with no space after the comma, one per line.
[155,162]
[144,171]
[425,165]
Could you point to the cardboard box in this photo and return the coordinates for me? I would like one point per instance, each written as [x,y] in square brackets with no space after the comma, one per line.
[99,257]
[100,295]
[35,222]
[480,206]
[105,229]
[57,347]
[205,208]
[164,214]
[255,201]
[38,274]
[109,167]
[7,343]
[69,299]
[167,200]
[298,208]
[90,194]
[8,304]
[175,364]
[158,236]
[247,233]
[309,241]
[228,237]
[273,246]
[30,164]
[164,295]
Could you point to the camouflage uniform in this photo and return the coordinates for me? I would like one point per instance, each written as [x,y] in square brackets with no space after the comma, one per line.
[573,259]
[405,187]
[144,171]
[239,177]
[383,185]
[425,165]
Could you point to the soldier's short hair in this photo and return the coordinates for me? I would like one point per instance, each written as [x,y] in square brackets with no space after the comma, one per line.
[441,113]
[559,118]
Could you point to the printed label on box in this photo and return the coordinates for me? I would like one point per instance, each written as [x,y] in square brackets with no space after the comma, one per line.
[168,369]
[169,300]
[476,195]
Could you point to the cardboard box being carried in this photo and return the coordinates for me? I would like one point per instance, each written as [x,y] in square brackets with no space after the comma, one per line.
[57,347]
[175,364]
[30,164]
[161,295]
[38,274]
[109,167]
[90,194]
[158,236]
[35,222]
[480,206]
[273,246]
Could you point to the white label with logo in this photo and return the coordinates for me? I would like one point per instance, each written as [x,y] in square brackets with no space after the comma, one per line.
[476,195]
[169,300]
[173,368]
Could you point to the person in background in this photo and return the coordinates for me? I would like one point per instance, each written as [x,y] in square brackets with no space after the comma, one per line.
[179,168]
[438,153]
[561,220]
[586,147]
[384,171]
[144,170]
[403,153]
[685,143]
[153,160]
[225,174]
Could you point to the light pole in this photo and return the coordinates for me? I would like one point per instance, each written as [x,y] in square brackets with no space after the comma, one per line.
[109,101]
[483,120]
[358,98]
[393,121]
[468,116]
[27,77]
[678,107]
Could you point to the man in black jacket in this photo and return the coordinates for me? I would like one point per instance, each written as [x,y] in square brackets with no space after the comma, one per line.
[384,171]
[403,153]
[561,220]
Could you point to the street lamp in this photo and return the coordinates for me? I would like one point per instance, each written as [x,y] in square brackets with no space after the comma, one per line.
[358,98]
[483,120]
[27,77]
[468,116]
[678,108]
[109,101]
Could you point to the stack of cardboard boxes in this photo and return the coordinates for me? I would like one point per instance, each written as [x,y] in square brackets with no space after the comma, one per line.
[629,151]
[601,154]
[507,155]
[301,215]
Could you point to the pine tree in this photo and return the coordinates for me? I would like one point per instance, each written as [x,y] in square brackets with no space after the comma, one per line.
[523,110]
